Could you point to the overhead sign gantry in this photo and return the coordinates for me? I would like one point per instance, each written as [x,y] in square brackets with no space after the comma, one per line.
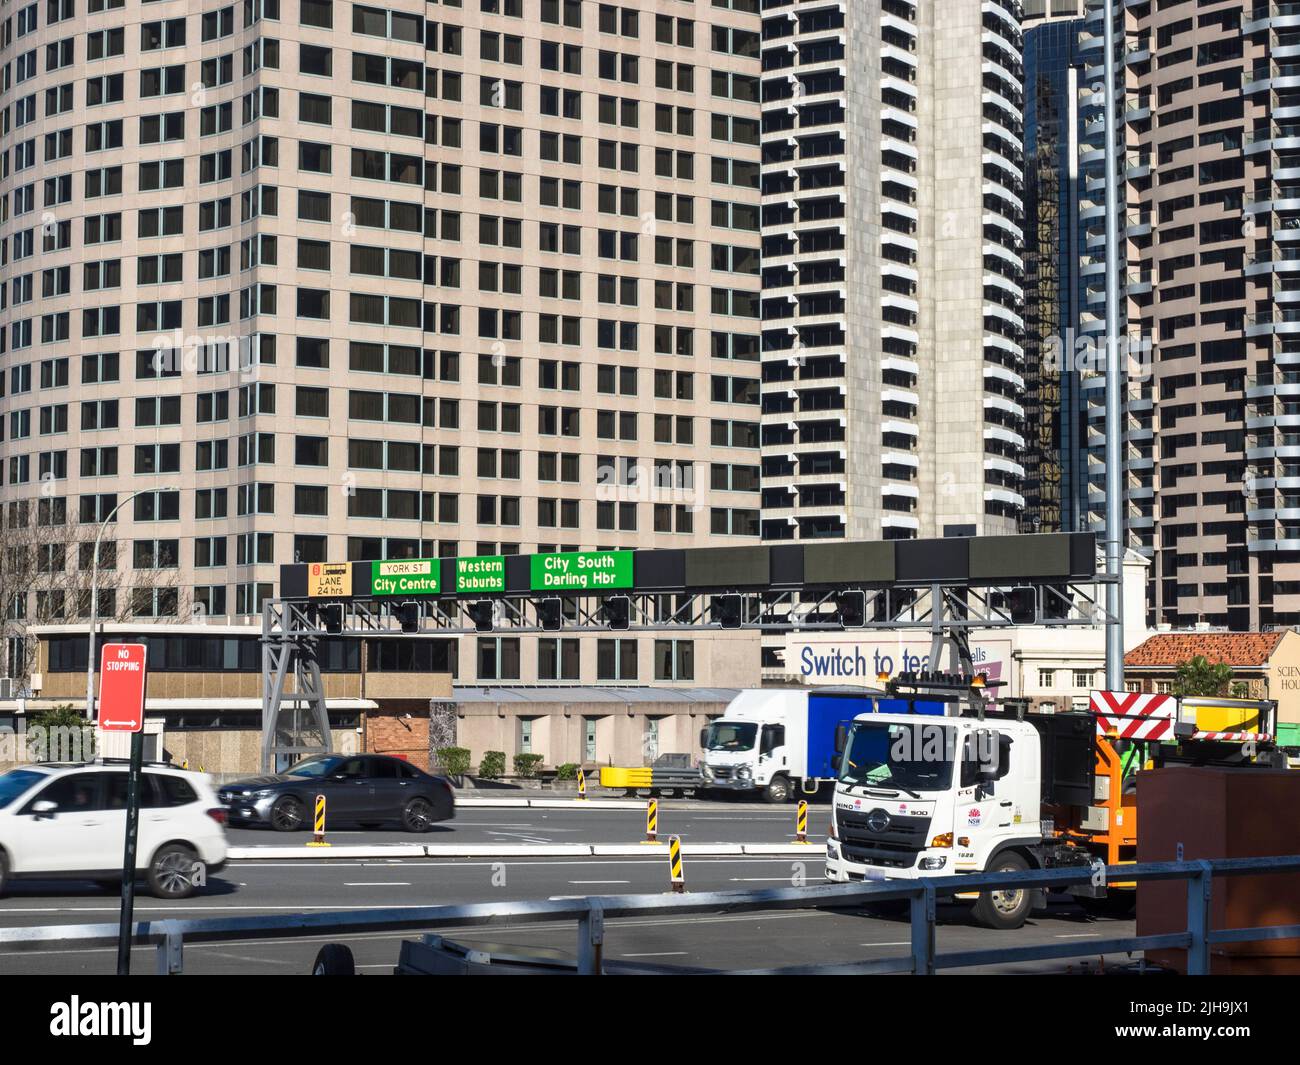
[946,587]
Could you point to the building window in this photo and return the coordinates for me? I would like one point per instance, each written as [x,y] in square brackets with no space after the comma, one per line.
[558,659]
[674,660]
[1083,679]
[616,660]
[1046,678]
[589,739]
[526,735]
[498,658]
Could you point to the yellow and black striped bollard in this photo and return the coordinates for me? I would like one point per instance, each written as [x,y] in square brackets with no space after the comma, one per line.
[651,822]
[582,784]
[318,826]
[675,864]
[801,822]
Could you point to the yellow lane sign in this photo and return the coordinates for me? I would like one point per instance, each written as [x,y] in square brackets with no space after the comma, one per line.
[333,579]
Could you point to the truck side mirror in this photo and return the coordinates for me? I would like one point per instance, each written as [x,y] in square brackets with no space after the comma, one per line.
[836,761]
[704,737]
[841,739]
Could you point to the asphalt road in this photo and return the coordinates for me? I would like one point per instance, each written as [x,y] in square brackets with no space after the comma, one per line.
[693,822]
[249,888]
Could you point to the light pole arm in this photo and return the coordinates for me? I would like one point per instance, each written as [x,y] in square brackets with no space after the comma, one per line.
[94,595]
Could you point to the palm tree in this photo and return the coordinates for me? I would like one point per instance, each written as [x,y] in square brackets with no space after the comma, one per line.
[1199,677]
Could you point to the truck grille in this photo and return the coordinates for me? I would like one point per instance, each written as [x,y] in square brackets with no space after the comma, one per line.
[896,845]
[722,772]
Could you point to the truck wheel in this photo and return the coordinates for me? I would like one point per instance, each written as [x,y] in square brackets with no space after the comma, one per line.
[334,959]
[778,789]
[1117,904]
[1004,908]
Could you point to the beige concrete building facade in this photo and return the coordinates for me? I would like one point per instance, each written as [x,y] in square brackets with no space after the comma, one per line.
[339,281]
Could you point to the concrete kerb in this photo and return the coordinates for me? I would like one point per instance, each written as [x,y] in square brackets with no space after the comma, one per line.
[552,804]
[521,850]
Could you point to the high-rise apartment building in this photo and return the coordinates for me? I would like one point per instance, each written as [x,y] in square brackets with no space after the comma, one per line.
[893,369]
[403,279]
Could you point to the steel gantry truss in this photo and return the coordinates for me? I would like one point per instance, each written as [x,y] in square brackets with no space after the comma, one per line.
[295,719]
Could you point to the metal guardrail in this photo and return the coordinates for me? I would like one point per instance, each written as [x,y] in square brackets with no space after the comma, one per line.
[591,914]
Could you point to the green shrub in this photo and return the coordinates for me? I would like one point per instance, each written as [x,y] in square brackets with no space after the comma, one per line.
[60,734]
[493,764]
[526,765]
[454,761]
[567,771]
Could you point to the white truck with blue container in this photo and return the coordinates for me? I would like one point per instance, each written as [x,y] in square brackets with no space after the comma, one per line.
[777,742]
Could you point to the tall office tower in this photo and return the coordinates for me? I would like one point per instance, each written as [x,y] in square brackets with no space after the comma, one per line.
[1055,471]
[350,281]
[1207,238]
[893,371]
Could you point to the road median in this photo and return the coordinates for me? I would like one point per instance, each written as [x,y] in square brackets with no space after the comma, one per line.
[515,850]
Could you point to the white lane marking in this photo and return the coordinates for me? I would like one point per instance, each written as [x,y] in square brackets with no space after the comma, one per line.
[658,954]
[1080,935]
[255,961]
[900,943]
[376,883]
[600,881]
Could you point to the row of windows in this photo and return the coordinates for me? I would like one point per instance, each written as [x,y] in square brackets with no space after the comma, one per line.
[497,658]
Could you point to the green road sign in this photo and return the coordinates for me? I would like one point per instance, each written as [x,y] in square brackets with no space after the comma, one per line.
[483,573]
[407,576]
[581,571]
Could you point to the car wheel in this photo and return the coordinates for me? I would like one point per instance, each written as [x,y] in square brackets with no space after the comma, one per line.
[334,959]
[417,815]
[778,789]
[287,815]
[1004,908]
[171,873]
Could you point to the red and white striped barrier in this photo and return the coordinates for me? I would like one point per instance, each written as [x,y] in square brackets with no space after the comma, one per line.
[1133,715]
[1243,737]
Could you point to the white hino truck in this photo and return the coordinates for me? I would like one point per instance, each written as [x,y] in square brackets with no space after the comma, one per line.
[989,789]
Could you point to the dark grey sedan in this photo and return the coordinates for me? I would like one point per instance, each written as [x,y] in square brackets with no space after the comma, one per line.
[364,789]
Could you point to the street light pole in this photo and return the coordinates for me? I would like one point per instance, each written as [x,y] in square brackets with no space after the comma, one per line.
[1114,385]
[94,594]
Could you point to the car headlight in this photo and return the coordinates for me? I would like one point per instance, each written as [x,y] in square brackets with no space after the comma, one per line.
[706,772]
[264,793]
[933,863]
[744,772]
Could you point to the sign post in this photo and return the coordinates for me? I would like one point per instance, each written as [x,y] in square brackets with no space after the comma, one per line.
[121,709]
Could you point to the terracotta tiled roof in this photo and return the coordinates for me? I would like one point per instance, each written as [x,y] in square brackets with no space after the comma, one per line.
[1234,648]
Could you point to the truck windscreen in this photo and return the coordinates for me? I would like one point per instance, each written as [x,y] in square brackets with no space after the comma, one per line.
[915,757]
[731,736]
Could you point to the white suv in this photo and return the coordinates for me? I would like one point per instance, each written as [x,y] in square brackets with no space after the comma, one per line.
[69,822]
